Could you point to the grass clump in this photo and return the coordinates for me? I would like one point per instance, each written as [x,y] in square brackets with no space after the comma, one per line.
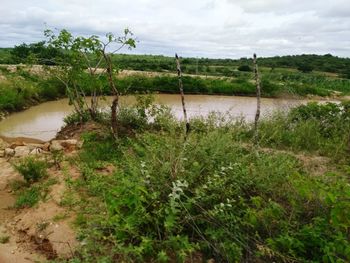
[4,239]
[28,197]
[32,169]
[317,128]
[36,186]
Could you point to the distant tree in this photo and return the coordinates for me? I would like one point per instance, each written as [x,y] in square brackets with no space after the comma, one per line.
[305,68]
[245,68]
[346,74]
[39,53]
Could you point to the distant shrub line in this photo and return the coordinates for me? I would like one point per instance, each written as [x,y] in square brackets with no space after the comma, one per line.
[22,89]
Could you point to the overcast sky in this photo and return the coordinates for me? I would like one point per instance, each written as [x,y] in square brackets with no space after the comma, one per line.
[203,28]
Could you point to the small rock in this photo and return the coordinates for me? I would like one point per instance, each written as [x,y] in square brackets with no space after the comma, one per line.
[16,144]
[46,146]
[36,151]
[33,146]
[21,151]
[3,144]
[56,145]
[9,152]
[70,141]
[80,144]
[2,153]
[69,144]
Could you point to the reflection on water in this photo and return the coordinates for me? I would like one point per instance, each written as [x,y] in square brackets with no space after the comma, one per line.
[44,120]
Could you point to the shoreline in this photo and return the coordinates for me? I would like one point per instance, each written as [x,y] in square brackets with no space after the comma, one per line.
[4,114]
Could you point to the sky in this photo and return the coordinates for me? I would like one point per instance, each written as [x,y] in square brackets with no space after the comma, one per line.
[192,28]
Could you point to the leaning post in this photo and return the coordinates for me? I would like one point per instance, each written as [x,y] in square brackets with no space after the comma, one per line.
[258,97]
[179,75]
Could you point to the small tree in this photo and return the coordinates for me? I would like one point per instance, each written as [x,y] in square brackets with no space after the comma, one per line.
[305,68]
[244,68]
[38,52]
[85,61]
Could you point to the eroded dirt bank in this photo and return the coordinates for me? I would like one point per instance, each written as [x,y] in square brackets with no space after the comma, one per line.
[44,231]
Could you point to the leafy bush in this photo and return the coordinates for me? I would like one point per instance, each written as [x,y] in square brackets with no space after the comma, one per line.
[32,169]
[51,89]
[305,68]
[75,118]
[245,68]
[165,199]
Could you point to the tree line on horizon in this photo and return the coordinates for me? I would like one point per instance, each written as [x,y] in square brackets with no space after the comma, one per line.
[306,63]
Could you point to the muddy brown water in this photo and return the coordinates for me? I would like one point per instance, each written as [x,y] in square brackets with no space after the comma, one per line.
[44,120]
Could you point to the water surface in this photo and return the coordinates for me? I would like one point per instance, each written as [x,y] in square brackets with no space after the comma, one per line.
[44,120]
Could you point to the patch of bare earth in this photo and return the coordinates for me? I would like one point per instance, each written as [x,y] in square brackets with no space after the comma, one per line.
[75,131]
[39,233]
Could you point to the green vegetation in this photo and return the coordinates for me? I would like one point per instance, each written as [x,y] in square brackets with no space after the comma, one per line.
[37,52]
[36,185]
[281,76]
[223,192]
[28,197]
[205,66]
[32,169]
[319,129]
[224,67]
[216,195]
[21,89]
[4,239]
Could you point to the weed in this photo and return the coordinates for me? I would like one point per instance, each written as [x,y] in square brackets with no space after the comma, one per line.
[4,239]
[28,197]
[60,217]
[31,169]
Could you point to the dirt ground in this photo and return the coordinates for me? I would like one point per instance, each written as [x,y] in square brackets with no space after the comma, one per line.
[34,234]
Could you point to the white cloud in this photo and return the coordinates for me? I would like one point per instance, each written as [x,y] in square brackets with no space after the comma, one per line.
[214,28]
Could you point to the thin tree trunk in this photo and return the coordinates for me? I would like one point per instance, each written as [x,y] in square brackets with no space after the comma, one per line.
[258,96]
[179,74]
[115,102]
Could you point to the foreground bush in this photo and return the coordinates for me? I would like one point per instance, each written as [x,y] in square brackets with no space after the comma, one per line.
[211,197]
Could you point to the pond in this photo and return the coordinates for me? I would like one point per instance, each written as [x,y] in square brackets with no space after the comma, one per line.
[44,120]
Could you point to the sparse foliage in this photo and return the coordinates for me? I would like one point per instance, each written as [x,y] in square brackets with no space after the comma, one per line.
[84,65]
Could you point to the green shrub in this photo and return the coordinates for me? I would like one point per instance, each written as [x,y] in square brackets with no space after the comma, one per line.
[4,239]
[28,197]
[76,118]
[319,128]
[32,169]
[245,68]
[165,199]
[50,89]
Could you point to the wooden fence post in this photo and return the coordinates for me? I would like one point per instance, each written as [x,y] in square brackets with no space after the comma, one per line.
[258,97]
[179,74]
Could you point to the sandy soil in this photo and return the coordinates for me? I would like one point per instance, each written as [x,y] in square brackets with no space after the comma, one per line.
[35,234]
